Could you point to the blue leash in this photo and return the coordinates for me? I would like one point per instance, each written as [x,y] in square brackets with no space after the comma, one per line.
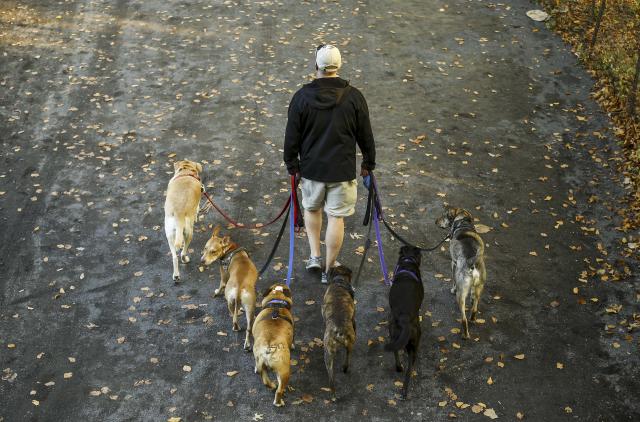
[291,237]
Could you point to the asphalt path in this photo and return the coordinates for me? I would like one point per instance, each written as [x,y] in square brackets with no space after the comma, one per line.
[472,104]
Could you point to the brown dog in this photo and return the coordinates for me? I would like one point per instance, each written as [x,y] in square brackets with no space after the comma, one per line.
[338,311]
[238,276]
[273,337]
[467,260]
[181,209]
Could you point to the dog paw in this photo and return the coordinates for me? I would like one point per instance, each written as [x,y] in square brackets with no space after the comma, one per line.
[278,403]
[176,278]
[247,348]
[185,259]
[216,292]
[235,327]
[453,290]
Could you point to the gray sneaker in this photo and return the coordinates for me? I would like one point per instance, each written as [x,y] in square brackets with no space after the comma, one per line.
[324,279]
[314,263]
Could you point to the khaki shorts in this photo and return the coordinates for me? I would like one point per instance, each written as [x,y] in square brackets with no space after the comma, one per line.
[338,199]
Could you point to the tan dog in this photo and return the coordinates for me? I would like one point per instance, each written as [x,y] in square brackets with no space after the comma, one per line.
[181,209]
[338,312]
[273,337]
[467,260]
[238,276]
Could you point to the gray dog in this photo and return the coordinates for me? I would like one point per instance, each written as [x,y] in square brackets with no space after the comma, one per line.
[467,260]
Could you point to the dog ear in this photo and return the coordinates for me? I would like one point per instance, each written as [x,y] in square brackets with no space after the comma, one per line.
[266,292]
[226,240]
[216,230]
[199,167]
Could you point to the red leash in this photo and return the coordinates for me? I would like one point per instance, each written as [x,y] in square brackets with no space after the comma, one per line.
[253,226]
[243,226]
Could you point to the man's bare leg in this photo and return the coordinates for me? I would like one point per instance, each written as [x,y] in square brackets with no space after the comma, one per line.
[333,240]
[313,224]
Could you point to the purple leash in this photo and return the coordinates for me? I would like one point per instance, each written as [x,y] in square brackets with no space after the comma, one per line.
[377,216]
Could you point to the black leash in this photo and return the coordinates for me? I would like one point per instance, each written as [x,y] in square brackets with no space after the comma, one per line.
[401,239]
[373,201]
[275,246]
[367,243]
[300,225]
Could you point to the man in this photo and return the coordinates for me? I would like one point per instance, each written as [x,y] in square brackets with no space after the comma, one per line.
[326,119]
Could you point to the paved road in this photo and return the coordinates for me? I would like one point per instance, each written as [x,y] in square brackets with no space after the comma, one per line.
[98,98]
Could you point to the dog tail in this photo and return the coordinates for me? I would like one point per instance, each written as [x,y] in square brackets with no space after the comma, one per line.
[235,309]
[402,338]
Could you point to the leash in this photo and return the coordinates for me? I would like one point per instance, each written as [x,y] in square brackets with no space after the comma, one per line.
[295,225]
[241,225]
[377,203]
[377,216]
[229,219]
[373,216]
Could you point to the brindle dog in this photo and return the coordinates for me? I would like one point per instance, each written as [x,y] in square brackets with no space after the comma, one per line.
[338,311]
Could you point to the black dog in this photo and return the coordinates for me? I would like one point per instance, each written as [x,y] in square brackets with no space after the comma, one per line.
[405,298]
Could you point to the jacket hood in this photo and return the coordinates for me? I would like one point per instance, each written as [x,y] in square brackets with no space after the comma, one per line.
[326,93]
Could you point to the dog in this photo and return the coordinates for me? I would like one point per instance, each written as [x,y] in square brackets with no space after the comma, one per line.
[181,209]
[238,276]
[405,299]
[467,260]
[273,339]
[338,312]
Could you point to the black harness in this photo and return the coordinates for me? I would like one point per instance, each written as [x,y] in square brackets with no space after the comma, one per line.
[225,262]
[276,305]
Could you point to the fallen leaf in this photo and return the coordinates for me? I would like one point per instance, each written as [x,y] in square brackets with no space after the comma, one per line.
[232,373]
[481,228]
[490,413]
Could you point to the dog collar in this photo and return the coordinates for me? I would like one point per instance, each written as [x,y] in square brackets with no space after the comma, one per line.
[403,271]
[226,259]
[278,303]
[194,175]
[464,224]
[347,286]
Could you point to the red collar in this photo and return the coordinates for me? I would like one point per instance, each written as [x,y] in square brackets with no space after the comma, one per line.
[195,176]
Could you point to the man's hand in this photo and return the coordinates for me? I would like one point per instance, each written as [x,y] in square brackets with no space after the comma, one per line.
[366,177]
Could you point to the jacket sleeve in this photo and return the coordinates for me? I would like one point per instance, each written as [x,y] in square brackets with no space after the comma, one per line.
[365,136]
[293,137]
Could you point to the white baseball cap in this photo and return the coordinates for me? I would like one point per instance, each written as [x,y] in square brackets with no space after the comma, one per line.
[328,58]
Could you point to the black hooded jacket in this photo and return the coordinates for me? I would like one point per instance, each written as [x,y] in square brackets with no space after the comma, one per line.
[327,117]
